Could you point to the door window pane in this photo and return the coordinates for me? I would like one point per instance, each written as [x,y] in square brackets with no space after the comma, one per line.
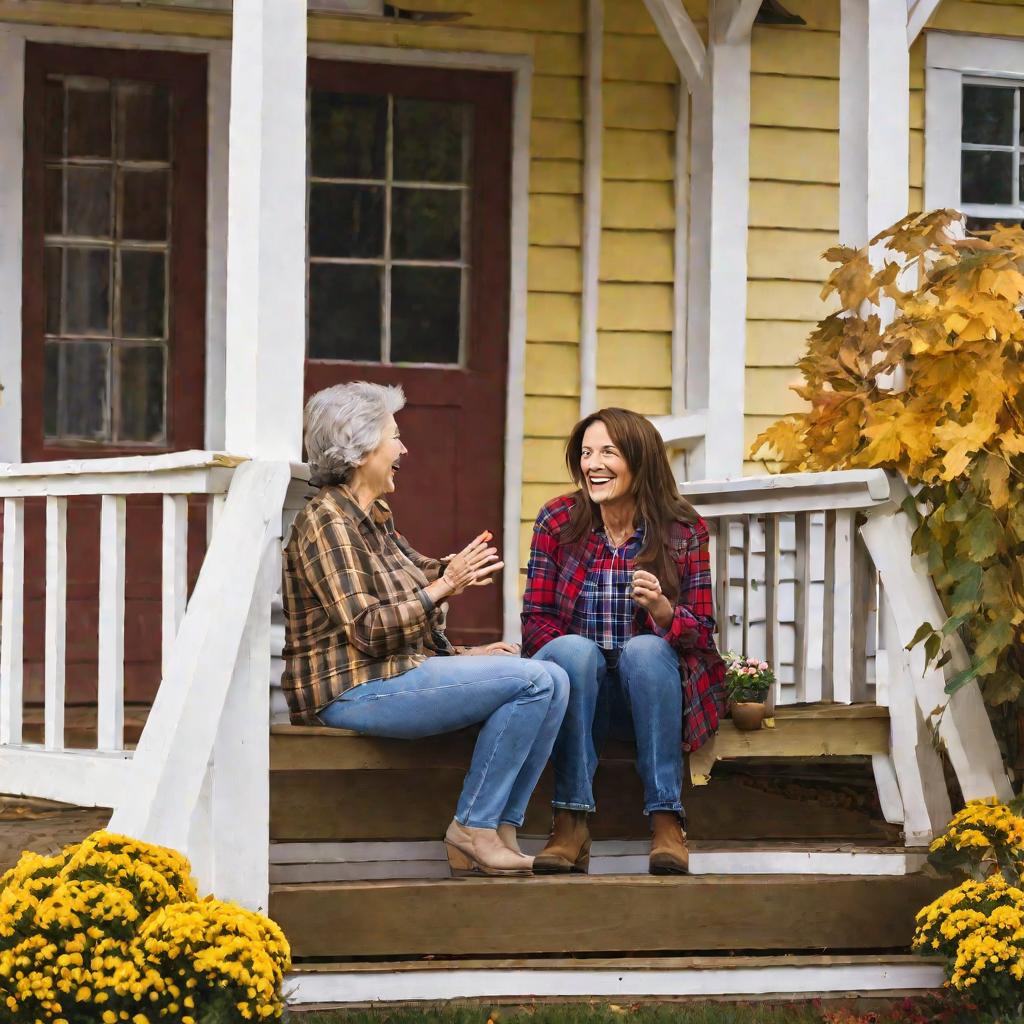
[430,140]
[86,290]
[388,252]
[346,220]
[141,377]
[344,311]
[425,310]
[348,135]
[108,179]
[87,201]
[426,224]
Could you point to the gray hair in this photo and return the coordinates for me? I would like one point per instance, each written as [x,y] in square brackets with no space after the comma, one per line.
[343,424]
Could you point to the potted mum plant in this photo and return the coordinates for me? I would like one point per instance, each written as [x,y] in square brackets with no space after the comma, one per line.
[747,683]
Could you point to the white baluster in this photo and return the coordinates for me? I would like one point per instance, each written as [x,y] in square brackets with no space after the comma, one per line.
[771,600]
[837,628]
[110,711]
[175,571]
[13,621]
[721,582]
[802,603]
[865,593]
[56,621]
[748,572]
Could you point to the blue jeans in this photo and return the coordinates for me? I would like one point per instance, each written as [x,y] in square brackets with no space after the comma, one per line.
[520,702]
[631,694]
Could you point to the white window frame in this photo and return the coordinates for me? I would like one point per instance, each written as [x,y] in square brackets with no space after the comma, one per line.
[951,60]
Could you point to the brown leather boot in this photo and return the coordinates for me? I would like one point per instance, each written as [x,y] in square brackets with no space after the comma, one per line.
[568,847]
[669,855]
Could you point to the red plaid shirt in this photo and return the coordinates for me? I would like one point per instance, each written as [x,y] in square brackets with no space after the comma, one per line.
[555,579]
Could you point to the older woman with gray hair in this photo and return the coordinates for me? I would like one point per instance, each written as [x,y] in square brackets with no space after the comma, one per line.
[364,647]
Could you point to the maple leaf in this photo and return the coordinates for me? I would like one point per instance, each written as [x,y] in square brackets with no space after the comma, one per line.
[995,472]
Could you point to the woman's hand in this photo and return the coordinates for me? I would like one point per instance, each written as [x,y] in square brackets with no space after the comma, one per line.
[474,566]
[647,593]
[500,647]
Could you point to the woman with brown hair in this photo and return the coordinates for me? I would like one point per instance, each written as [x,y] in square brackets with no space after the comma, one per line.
[618,594]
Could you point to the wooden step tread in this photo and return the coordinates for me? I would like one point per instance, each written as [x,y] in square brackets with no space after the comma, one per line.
[607,914]
[623,963]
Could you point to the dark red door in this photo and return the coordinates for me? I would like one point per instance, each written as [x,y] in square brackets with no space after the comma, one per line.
[408,243]
[113,317]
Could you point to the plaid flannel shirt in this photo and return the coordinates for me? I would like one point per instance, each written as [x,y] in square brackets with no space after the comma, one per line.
[355,604]
[604,609]
[555,579]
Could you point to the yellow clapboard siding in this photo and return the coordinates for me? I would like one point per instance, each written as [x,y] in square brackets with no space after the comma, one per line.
[647,401]
[979,18]
[638,156]
[549,16]
[544,460]
[778,204]
[556,140]
[549,416]
[551,316]
[643,205]
[555,220]
[819,14]
[787,300]
[634,359]
[552,269]
[794,51]
[558,54]
[628,17]
[637,255]
[917,158]
[776,342]
[916,200]
[552,370]
[768,393]
[561,177]
[380,32]
[637,59]
[795,255]
[758,469]
[917,108]
[779,101]
[640,105]
[785,154]
[537,495]
[558,98]
[634,307]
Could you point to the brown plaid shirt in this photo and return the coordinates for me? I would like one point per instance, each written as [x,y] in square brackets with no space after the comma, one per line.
[355,606]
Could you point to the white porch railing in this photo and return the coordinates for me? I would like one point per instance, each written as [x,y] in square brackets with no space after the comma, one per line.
[814,573]
[198,779]
[815,570]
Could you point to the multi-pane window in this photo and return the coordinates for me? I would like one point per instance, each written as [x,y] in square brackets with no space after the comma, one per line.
[991,149]
[107,221]
[389,195]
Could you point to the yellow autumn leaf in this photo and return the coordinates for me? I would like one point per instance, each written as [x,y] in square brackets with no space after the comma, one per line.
[996,474]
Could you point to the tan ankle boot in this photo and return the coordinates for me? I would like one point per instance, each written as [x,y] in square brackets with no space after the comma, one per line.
[669,854]
[479,851]
[568,848]
[507,834]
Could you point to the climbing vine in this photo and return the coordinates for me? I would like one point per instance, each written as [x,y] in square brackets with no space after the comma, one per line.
[935,390]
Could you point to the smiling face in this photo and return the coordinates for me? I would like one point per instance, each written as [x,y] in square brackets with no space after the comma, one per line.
[606,474]
[376,475]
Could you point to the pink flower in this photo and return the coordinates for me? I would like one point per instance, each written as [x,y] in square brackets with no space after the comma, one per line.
[751,661]
[763,667]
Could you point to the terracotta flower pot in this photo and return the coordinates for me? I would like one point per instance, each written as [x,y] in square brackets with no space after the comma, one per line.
[748,716]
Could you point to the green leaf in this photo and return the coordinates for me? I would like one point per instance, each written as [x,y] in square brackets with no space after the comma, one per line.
[967,590]
[982,537]
[925,629]
[961,679]
[952,625]
[945,659]
[932,646]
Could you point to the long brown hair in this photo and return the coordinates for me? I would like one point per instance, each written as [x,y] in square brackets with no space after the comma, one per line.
[658,501]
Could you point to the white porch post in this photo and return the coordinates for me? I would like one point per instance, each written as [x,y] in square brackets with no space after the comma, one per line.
[718,80]
[874,118]
[266,276]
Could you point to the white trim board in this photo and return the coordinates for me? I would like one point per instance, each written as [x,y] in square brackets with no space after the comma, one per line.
[391,986]
[327,862]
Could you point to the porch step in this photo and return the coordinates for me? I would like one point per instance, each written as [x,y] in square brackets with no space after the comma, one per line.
[613,914]
[513,981]
[344,862]
[808,778]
